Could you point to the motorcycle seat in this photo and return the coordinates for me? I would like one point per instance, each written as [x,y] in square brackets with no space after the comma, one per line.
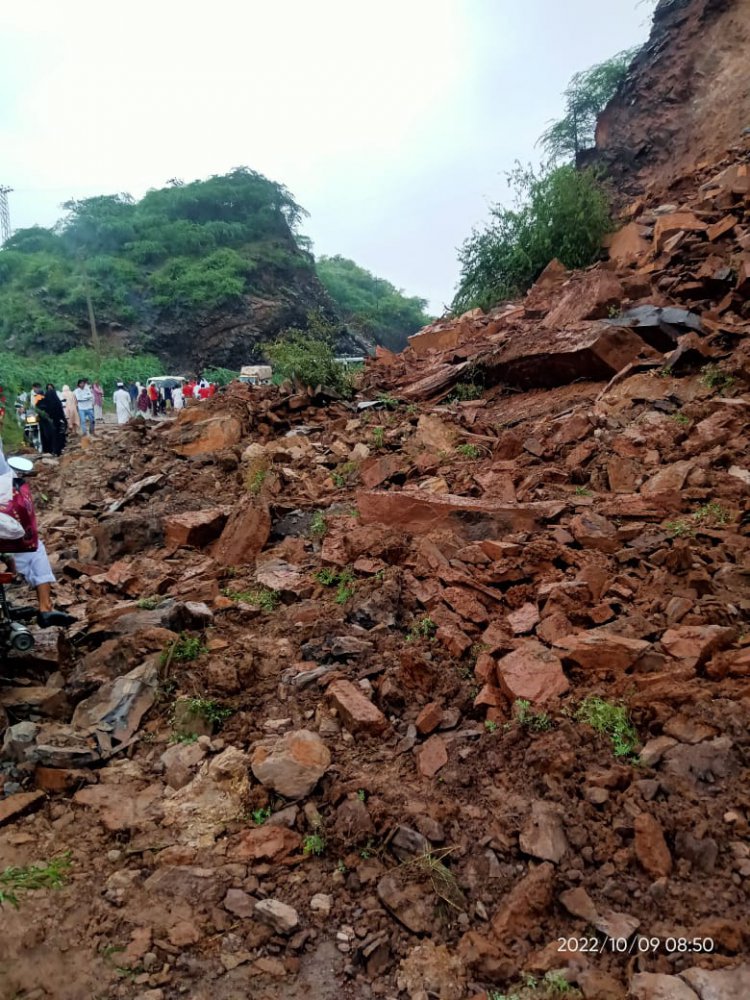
[7,577]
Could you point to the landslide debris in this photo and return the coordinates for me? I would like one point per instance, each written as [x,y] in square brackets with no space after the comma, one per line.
[413,696]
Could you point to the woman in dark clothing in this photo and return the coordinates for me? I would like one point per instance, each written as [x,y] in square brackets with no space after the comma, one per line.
[53,424]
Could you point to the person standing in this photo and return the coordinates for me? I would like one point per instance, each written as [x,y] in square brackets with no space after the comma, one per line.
[98,400]
[85,399]
[53,426]
[143,403]
[177,400]
[153,395]
[121,399]
[71,409]
[133,392]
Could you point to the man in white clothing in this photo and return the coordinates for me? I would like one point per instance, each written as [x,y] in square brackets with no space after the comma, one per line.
[121,399]
[85,400]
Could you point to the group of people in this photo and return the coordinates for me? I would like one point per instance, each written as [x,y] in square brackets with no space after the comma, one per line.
[67,412]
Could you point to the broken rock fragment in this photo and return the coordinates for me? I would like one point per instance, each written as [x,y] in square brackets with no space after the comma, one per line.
[532,672]
[282,918]
[543,835]
[651,847]
[292,765]
[601,650]
[355,709]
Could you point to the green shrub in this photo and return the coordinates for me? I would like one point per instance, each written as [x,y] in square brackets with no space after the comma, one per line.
[560,212]
[183,650]
[307,357]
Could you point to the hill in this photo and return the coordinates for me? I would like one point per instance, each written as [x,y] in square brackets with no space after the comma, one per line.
[198,273]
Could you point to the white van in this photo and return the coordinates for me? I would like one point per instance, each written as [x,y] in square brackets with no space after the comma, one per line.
[162,381]
[256,374]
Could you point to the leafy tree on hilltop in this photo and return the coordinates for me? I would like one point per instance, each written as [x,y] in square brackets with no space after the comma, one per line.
[586,96]
[371,305]
[181,251]
[559,213]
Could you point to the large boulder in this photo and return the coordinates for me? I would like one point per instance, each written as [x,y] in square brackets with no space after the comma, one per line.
[292,765]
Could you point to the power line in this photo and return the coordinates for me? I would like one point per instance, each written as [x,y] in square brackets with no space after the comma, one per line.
[4,213]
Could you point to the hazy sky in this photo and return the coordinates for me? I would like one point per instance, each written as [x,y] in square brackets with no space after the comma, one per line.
[392,123]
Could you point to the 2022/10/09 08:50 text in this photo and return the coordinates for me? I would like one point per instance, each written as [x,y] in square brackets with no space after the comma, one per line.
[638,945]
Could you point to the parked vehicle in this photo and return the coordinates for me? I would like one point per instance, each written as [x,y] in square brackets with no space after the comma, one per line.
[14,633]
[256,374]
[166,381]
[32,432]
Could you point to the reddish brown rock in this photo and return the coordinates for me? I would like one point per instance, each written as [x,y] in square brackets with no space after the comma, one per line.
[670,225]
[355,709]
[600,650]
[696,643]
[192,436]
[590,296]
[429,718]
[465,604]
[431,756]
[265,843]
[14,806]
[194,528]
[670,478]
[244,536]
[416,513]
[592,531]
[628,244]
[374,471]
[651,847]
[532,672]
[524,619]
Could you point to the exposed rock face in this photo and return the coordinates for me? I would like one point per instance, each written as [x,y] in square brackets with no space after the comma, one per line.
[686,97]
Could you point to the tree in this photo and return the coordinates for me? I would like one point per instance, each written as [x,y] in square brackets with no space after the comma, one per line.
[586,96]
[560,212]
[372,306]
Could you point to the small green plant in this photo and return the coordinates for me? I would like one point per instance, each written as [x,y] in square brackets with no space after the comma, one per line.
[711,512]
[209,710]
[318,525]
[345,588]
[378,436]
[149,603]
[260,597]
[343,474]
[368,850]
[425,628]
[388,401]
[713,378]
[582,491]
[612,720]
[442,879]
[343,580]
[679,528]
[537,721]
[361,794]
[255,483]
[680,418]
[556,984]
[496,995]
[259,816]
[613,311]
[314,843]
[665,372]
[490,726]
[468,450]
[183,650]
[16,880]
[412,410]
[464,392]
[341,867]
[183,738]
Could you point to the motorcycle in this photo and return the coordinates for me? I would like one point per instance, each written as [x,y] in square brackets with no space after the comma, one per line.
[14,633]
[32,432]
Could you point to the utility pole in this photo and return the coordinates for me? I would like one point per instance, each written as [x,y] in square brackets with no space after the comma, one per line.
[4,213]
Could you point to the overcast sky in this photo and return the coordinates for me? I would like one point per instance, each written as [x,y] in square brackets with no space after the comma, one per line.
[392,123]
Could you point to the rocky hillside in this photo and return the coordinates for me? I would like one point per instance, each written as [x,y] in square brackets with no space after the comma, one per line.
[443,693]
[200,274]
[686,98]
